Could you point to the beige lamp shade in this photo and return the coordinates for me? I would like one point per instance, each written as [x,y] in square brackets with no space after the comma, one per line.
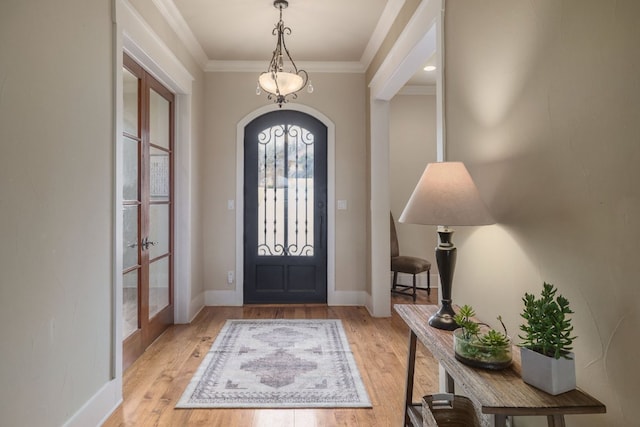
[446,195]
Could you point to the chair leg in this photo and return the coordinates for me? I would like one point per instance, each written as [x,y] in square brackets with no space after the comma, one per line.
[395,279]
[414,288]
[429,282]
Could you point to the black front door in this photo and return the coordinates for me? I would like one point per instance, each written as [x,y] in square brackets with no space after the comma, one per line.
[285,206]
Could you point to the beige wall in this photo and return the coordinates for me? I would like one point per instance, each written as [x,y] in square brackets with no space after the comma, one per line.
[56,207]
[229,98]
[543,105]
[412,144]
[56,174]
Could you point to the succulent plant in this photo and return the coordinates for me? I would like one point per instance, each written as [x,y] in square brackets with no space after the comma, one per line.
[548,328]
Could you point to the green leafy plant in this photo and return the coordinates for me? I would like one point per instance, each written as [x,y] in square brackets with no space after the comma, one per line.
[548,328]
[478,346]
[463,319]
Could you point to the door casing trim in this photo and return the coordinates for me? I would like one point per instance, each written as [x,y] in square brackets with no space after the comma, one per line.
[237,296]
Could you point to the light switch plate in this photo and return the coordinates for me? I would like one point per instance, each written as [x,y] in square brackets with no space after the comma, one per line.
[342,205]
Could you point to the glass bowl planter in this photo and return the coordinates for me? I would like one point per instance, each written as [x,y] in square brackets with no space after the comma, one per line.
[474,353]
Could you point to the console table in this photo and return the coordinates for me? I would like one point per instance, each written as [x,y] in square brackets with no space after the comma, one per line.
[501,393]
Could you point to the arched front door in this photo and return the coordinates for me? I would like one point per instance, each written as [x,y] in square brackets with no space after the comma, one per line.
[285,209]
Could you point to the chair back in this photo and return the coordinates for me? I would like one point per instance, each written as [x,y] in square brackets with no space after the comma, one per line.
[395,248]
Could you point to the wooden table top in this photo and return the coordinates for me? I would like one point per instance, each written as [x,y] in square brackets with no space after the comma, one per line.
[497,392]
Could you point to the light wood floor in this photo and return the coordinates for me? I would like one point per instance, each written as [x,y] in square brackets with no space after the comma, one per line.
[155,382]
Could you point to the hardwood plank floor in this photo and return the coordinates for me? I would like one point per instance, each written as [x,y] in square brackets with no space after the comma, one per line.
[154,383]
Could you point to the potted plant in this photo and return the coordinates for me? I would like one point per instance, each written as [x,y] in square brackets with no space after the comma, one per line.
[477,345]
[547,360]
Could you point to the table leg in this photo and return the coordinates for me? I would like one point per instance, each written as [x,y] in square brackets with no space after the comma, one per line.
[411,363]
[450,385]
[555,421]
[499,420]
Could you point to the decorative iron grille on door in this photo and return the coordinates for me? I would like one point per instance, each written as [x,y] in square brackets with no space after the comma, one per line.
[285,191]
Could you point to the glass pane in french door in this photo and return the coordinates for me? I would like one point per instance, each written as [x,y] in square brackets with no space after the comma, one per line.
[159,174]
[130,161]
[158,230]
[130,102]
[158,285]
[130,303]
[130,236]
[159,129]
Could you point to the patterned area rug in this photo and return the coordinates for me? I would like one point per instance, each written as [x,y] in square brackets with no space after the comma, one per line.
[278,363]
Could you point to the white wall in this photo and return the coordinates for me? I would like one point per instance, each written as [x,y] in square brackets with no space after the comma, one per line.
[543,102]
[56,174]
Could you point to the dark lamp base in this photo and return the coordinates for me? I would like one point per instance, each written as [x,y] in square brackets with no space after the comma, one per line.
[443,319]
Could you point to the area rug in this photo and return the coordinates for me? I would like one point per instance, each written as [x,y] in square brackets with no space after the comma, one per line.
[279,363]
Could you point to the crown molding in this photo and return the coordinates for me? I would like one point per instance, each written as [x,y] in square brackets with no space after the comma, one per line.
[170,12]
[389,15]
[172,15]
[310,66]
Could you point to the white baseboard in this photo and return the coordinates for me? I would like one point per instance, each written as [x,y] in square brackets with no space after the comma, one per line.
[220,298]
[357,298]
[196,306]
[97,409]
[228,298]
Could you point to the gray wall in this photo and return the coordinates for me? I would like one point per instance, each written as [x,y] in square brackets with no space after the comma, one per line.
[543,104]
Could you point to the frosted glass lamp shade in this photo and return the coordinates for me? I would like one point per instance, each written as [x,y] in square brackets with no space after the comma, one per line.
[286,83]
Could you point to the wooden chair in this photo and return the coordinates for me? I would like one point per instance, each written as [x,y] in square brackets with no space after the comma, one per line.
[407,265]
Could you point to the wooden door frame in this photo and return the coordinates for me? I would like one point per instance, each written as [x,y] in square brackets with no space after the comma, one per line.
[236,297]
[150,327]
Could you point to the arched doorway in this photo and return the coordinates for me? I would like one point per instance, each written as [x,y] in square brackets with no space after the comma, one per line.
[285,209]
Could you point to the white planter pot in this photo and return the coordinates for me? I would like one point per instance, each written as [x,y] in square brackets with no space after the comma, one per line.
[549,374]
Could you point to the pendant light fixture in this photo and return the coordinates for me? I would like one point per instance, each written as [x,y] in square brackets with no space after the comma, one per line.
[282,79]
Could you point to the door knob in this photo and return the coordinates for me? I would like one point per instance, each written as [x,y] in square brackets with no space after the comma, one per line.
[146,243]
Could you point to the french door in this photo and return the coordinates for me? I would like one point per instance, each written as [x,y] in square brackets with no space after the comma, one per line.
[285,209]
[147,209]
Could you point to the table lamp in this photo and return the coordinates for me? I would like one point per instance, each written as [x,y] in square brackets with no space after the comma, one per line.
[445,196]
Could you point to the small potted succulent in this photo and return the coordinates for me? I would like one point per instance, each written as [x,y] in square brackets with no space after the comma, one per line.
[477,345]
[546,352]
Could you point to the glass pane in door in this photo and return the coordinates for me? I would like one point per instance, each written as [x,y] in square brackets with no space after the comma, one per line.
[130,303]
[285,192]
[159,120]
[159,175]
[130,163]
[130,102]
[300,192]
[158,285]
[158,230]
[130,236]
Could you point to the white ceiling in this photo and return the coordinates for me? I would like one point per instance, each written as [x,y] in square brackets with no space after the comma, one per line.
[327,35]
